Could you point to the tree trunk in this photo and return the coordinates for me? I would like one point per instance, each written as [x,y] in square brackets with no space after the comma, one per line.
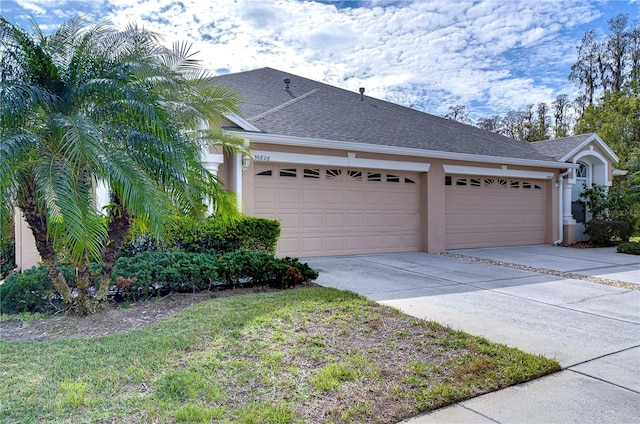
[119,224]
[83,304]
[37,221]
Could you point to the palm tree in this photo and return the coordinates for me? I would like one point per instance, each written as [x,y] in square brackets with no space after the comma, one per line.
[89,104]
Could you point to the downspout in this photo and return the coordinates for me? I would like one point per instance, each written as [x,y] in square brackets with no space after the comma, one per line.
[238,170]
[560,207]
[237,166]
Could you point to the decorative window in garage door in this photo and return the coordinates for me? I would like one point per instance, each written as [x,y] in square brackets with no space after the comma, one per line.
[309,174]
[490,182]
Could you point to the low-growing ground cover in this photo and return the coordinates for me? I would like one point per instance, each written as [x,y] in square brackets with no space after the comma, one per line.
[304,355]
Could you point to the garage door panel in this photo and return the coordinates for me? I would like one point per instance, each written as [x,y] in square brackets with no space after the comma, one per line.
[354,197]
[311,197]
[338,213]
[333,196]
[288,220]
[265,197]
[488,213]
[354,220]
[288,196]
[289,244]
[333,220]
[354,243]
[312,221]
[374,220]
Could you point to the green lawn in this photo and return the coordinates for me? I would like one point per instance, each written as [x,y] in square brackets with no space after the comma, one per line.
[307,355]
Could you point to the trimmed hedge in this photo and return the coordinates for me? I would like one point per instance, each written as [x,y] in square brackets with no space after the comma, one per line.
[631,248]
[149,273]
[210,235]
[156,273]
[256,268]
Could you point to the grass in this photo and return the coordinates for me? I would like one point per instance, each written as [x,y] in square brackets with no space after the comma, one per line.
[300,356]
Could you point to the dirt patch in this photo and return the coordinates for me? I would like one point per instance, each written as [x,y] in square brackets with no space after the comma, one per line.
[118,319]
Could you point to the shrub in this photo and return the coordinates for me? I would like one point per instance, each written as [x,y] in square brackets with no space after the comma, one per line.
[632,248]
[152,273]
[7,258]
[257,234]
[31,291]
[210,235]
[614,214]
[7,245]
[607,232]
[257,268]
[149,273]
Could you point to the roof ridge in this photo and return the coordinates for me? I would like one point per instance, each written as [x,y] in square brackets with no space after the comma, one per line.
[282,106]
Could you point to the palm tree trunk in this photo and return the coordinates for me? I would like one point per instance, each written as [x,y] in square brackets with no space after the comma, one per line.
[119,224]
[37,221]
[83,304]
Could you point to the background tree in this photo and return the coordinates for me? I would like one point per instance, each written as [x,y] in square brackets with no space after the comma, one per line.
[616,119]
[489,124]
[585,72]
[560,107]
[90,104]
[458,113]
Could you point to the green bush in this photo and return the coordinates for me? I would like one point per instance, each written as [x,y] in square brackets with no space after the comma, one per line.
[257,268]
[7,258]
[7,245]
[210,235]
[149,273]
[31,291]
[632,248]
[152,273]
[607,232]
[613,211]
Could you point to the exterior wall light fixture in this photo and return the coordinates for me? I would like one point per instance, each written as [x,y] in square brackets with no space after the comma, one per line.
[246,161]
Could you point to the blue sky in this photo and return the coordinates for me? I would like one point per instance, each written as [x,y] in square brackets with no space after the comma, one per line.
[492,55]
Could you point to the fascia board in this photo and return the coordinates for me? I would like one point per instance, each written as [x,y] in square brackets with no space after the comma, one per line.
[593,137]
[350,160]
[393,150]
[496,172]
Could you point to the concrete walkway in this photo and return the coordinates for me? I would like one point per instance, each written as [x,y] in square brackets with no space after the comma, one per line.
[593,330]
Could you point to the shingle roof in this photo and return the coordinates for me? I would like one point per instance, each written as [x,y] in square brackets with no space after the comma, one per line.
[312,109]
[559,147]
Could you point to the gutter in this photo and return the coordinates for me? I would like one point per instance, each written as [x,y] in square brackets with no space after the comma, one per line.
[394,150]
[560,207]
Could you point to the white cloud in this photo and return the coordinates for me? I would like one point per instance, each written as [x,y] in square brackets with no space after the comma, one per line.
[430,54]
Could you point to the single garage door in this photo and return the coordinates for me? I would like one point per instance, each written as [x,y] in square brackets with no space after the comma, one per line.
[327,211]
[484,212]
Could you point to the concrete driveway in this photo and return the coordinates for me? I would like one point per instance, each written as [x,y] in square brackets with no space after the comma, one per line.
[592,329]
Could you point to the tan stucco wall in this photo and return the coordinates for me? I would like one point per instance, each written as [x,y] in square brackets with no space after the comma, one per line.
[26,252]
[435,207]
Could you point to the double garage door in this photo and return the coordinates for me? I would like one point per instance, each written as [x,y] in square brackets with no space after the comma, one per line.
[338,211]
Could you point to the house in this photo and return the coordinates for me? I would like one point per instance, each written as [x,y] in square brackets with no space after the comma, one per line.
[346,173]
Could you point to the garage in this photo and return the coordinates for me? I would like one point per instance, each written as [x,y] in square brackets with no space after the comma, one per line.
[327,211]
[485,212]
